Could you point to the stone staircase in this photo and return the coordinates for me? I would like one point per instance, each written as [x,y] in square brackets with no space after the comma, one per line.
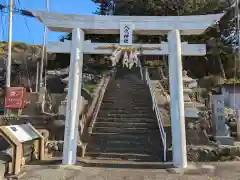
[126,128]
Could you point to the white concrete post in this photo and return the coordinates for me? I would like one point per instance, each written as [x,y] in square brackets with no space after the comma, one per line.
[238,123]
[177,101]
[80,98]
[75,74]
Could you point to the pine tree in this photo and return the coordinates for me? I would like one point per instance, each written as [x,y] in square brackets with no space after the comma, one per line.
[104,7]
[222,33]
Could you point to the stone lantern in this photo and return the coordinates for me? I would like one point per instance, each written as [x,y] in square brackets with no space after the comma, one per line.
[188,84]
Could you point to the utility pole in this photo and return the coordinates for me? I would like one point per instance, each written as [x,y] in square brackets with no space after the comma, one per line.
[43,49]
[37,77]
[238,36]
[9,59]
[237,49]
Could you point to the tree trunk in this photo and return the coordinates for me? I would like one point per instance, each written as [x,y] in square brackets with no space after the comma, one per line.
[165,64]
[223,74]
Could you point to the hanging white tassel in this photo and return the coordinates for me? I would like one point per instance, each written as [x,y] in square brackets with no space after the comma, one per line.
[115,57]
[131,60]
[135,58]
[113,60]
[125,60]
[119,54]
[115,52]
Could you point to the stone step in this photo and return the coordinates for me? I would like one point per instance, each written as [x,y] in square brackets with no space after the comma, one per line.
[127,89]
[151,135]
[106,114]
[126,104]
[143,141]
[114,93]
[148,136]
[118,107]
[127,120]
[123,130]
[119,104]
[108,144]
[125,156]
[113,144]
[127,164]
[127,111]
[125,86]
[115,107]
[152,125]
[127,80]
[129,149]
[130,98]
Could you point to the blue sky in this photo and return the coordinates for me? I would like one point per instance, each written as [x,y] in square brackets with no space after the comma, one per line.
[35,32]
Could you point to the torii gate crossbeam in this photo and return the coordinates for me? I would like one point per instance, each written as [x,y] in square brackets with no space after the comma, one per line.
[92,48]
[145,25]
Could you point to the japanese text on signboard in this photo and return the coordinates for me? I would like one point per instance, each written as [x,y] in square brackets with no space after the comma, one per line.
[219,115]
[15,97]
[126,32]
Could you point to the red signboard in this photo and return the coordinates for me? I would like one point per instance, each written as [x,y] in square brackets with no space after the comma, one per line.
[15,97]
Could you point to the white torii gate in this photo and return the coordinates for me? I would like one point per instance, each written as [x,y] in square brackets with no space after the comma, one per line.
[144,25]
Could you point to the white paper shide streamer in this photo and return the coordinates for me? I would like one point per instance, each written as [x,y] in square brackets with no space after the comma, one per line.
[116,56]
[131,60]
[136,59]
[128,59]
[125,59]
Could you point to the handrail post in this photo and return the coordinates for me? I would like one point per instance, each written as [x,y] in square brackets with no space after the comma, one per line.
[141,71]
[146,74]
[165,147]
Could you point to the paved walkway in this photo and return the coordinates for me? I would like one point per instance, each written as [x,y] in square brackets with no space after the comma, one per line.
[224,171]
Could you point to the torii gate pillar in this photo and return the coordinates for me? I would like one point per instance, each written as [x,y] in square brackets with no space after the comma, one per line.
[177,101]
[73,98]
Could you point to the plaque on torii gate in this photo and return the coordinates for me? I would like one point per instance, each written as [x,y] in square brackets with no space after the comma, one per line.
[173,26]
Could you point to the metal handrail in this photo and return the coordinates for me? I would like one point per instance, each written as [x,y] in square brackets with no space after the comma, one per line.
[141,70]
[158,114]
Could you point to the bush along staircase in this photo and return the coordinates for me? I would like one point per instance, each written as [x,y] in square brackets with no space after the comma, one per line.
[126,127]
[232,124]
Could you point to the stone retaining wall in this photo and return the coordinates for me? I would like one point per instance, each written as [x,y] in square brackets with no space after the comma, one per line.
[213,153]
